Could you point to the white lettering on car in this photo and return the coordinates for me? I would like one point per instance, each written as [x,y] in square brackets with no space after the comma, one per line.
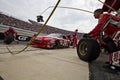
[23,38]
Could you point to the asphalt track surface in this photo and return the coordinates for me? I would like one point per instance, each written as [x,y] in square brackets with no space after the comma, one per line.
[74,71]
[99,72]
[41,64]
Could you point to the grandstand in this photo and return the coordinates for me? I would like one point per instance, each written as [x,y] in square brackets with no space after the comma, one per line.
[33,26]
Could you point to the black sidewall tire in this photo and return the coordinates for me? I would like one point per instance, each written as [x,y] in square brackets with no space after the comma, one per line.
[91,49]
[9,39]
[57,44]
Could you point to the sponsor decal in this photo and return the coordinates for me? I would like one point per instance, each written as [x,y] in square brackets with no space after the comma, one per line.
[22,38]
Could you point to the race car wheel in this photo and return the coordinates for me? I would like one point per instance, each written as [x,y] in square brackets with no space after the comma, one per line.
[68,45]
[88,49]
[9,38]
[57,44]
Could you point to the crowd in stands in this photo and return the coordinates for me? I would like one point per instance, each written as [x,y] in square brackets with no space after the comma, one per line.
[31,25]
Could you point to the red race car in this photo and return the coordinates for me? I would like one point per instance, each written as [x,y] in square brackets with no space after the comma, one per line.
[51,41]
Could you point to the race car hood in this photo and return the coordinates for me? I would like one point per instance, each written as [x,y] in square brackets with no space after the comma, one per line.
[46,38]
[112,3]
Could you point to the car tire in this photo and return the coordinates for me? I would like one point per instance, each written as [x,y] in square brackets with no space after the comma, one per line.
[57,44]
[9,38]
[88,49]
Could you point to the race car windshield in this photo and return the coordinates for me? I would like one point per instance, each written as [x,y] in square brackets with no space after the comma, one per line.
[54,35]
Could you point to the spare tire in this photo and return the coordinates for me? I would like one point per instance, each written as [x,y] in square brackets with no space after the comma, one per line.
[88,49]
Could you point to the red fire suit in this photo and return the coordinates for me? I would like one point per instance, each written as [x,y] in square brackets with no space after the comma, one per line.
[10,32]
[110,29]
[75,39]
